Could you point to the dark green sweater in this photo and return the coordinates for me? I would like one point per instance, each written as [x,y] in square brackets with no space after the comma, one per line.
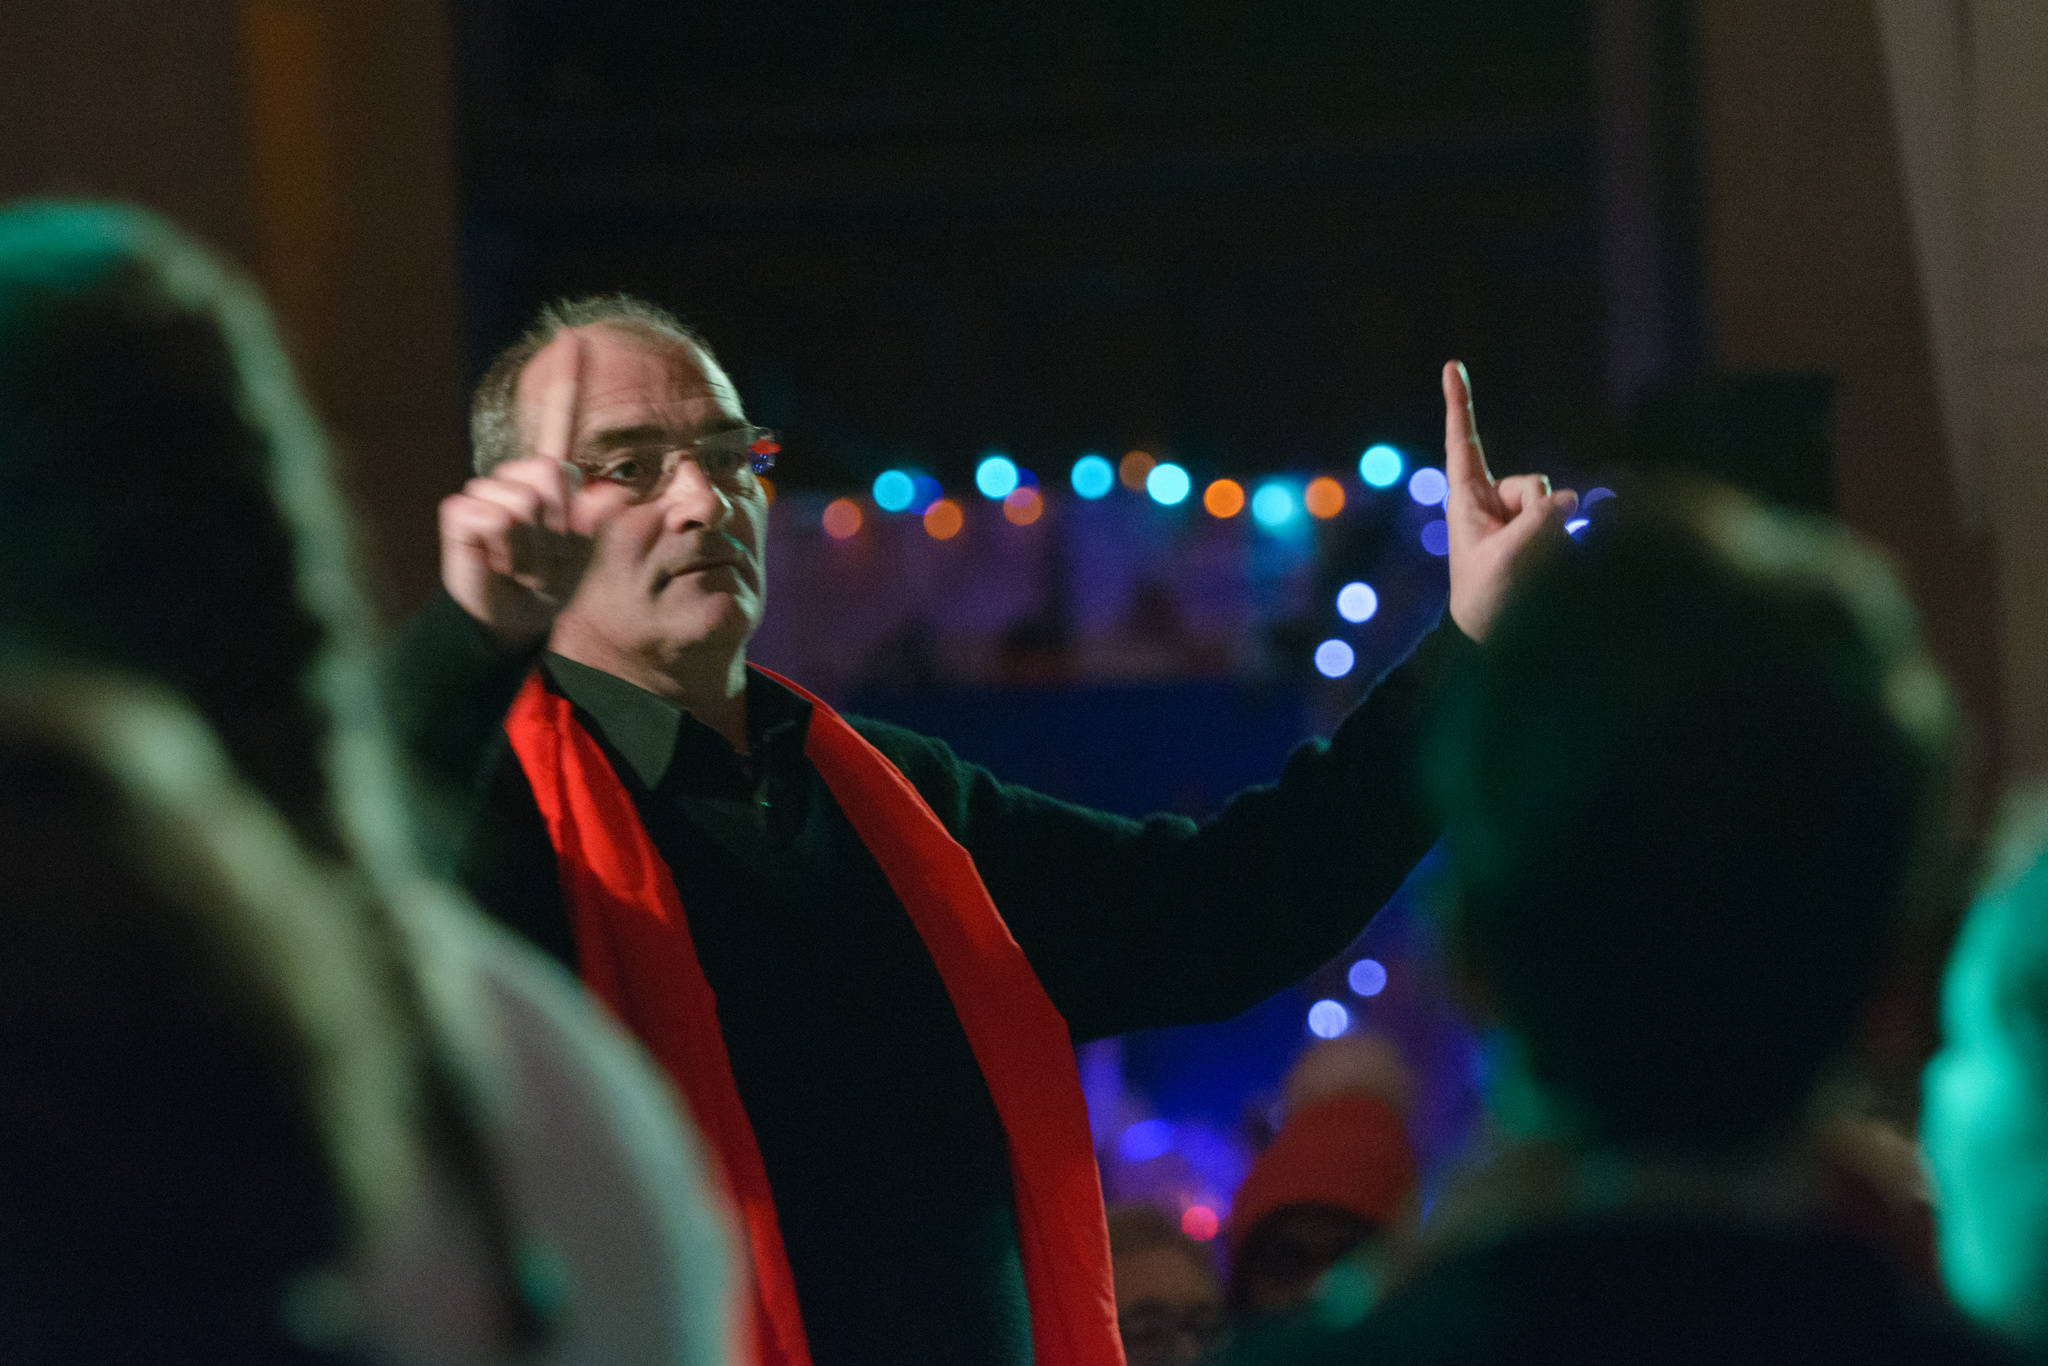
[880,1141]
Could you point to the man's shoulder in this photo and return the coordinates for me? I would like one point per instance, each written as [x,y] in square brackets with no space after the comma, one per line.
[928,756]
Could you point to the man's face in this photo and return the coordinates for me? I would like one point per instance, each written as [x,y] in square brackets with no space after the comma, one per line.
[1169,1308]
[1986,1135]
[679,578]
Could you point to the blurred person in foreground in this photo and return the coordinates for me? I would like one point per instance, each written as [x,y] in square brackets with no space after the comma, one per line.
[168,511]
[1169,1306]
[1694,791]
[211,1117]
[804,917]
[1986,1120]
[1336,1185]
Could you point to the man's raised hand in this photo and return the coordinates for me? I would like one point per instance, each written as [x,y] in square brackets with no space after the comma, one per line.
[1489,522]
[514,542]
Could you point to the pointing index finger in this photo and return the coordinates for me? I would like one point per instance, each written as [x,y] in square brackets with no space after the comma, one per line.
[1464,456]
[556,372]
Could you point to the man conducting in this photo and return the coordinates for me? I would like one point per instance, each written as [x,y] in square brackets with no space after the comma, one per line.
[864,961]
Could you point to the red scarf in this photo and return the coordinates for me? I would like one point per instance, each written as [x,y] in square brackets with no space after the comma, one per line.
[633,944]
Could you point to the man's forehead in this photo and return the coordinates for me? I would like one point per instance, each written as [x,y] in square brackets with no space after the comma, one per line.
[621,376]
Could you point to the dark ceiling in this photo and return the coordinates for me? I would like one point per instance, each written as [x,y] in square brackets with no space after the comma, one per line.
[1243,233]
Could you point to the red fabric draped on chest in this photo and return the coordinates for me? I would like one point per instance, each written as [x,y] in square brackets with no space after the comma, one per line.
[633,943]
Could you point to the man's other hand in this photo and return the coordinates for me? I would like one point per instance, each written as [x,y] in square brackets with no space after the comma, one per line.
[514,543]
[1489,522]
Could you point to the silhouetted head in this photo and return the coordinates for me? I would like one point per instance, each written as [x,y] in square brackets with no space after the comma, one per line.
[1691,788]
[166,505]
[167,510]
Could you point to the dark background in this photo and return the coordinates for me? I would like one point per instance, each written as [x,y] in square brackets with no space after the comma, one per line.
[1233,232]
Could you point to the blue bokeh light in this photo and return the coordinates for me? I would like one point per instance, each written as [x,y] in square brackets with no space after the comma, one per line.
[925,491]
[1145,1140]
[1576,526]
[1436,537]
[1368,977]
[1093,476]
[1168,483]
[1334,659]
[996,475]
[893,490]
[1275,505]
[1380,466]
[1428,486]
[1357,602]
[1593,496]
[1326,1020]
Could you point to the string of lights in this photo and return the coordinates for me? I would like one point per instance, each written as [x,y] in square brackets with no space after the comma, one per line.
[1280,505]
[1276,503]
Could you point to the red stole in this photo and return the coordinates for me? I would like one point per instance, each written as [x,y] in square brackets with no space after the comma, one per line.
[633,945]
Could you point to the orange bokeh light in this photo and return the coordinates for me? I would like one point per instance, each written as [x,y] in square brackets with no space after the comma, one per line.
[842,518]
[1133,468]
[1323,497]
[943,520]
[767,486]
[1023,506]
[1224,498]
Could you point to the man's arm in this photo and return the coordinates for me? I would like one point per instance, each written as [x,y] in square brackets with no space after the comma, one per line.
[514,544]
[1133,924]
[1140,924]
[448,683]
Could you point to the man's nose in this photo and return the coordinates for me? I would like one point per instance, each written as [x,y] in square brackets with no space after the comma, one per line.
[692,499]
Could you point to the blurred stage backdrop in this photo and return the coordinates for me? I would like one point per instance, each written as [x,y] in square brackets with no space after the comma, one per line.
[1103,342]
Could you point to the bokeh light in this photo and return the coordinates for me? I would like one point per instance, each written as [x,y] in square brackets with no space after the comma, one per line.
[1324,498]
[1167,484]
[893,490]
[996,475]
[1380,466]
[924,491]
[1274,505]
[1334,659]
[1368,977]
[1436,537]
[1133,470]
[1328,1019]
[1145,1140]
[767,487]
[1092,476]
[1224,498]
[1357,602]
[842,518]
[1576,526]
[943,520]
[1593,496]
[1023,506]
[1428,486]
[1199,1223]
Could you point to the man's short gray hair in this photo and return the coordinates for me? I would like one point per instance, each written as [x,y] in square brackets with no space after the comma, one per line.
[494,435]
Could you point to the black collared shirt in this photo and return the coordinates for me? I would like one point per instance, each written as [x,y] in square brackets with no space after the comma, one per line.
[888,1164]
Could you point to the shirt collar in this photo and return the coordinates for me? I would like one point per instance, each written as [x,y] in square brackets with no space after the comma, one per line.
[647,730]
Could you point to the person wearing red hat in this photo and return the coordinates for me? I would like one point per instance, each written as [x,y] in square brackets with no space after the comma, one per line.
[1338,1176]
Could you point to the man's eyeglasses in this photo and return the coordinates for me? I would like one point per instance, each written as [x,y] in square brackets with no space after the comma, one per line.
[727,458]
